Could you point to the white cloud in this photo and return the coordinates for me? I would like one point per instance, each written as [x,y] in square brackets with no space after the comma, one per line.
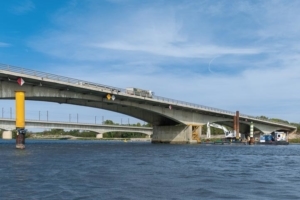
[167,48]
[23,7]
[271,92]
[185,51]
[151,30]
[3,44]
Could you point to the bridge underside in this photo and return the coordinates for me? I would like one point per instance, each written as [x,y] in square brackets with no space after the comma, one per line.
[139,113]
[262,128]
[154,112]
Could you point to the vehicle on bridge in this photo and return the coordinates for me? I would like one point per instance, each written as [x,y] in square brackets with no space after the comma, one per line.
[139,92]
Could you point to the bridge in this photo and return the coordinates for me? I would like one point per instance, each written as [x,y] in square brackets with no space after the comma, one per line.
[10,124]
[173,121]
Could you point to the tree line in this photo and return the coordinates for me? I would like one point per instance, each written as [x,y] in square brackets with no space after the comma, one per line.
[281,121]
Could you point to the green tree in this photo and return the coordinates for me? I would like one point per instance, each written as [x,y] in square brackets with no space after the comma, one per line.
[279,121]
[147,125]
[109,122]
[262,117]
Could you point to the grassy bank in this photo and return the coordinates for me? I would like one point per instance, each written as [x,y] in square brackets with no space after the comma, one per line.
[296,140]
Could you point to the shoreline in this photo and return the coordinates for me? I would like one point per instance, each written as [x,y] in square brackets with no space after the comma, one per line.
[292,139]
[70,137]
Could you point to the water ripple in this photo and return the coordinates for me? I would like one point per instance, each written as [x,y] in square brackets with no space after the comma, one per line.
[117,170]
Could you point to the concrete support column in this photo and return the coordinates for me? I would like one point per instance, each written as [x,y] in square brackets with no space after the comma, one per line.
[180,134]
[200,131]
[7,135]
[208,132]
[99,136]
[20,139]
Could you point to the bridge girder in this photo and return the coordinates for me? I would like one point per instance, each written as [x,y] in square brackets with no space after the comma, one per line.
[155,113]
[245,126]
[152,111]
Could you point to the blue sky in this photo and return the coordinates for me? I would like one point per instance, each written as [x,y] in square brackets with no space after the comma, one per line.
[232,55]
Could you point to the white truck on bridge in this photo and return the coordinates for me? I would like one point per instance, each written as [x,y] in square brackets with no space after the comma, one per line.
[139,92]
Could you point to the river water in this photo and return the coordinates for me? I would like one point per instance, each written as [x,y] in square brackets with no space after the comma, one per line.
[73,169]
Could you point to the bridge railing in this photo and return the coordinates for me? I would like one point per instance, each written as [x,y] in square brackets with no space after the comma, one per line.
[57,77]
[120,90]
[192,105]
[207,108]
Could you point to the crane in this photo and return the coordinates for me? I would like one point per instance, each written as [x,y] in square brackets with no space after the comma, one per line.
[228,134]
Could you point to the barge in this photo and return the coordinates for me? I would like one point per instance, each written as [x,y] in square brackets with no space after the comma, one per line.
[275,138]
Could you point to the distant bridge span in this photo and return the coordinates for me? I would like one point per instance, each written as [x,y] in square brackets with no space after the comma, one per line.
[174,121]
[10,124]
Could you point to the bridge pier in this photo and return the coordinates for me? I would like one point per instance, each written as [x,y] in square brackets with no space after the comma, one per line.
[20,139]
[7,135]
[99,136]
[180,134]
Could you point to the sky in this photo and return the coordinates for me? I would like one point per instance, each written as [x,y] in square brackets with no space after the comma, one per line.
[232,55]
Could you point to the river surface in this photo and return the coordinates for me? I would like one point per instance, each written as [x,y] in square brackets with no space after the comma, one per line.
[73,169]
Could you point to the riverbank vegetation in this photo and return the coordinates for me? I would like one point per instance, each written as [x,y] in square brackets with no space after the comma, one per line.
[281,121]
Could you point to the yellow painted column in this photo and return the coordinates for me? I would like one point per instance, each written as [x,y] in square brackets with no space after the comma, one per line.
[20,119]
[20,110]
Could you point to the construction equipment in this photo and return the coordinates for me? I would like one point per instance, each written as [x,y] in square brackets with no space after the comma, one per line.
[228,134]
